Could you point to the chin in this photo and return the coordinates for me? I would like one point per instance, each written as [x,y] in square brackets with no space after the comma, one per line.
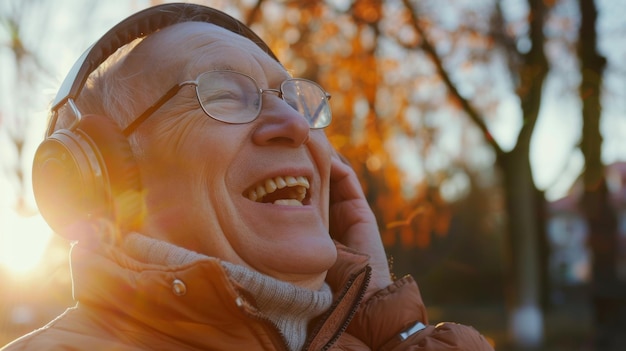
[312,255]
[307,256]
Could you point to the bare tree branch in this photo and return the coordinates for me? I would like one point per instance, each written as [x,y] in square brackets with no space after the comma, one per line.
[429,48]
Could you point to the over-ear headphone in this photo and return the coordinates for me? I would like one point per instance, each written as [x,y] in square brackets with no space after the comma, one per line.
[87,170]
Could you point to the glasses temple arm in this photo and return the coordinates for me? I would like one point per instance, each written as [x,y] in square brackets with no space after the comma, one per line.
[152,109]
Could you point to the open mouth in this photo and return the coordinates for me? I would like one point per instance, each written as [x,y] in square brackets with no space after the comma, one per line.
[281,190]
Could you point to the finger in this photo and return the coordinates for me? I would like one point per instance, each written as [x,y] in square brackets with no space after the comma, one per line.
[344,184]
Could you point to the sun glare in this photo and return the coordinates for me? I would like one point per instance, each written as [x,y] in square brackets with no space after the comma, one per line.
[23,241]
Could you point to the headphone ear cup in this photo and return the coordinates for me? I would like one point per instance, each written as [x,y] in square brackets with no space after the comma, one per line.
[87,173]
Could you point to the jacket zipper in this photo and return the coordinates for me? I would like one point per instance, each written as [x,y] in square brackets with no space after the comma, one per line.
[353,309]
[278,339]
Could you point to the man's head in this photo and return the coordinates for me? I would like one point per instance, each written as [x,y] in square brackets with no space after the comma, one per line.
[199,173]
[202,178]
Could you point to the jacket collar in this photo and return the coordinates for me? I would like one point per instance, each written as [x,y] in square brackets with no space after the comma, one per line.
[188,302]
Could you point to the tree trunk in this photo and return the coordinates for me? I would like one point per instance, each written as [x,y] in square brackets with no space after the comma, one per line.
[526,318]
[607,293]
[524,293]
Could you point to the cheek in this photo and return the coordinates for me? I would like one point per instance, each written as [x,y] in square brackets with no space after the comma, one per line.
[190,164]
[181,201]
[321,152]
[320,143]
[170,167]
[187,143]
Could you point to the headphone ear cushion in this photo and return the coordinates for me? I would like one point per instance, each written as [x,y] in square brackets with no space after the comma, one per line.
[88,173]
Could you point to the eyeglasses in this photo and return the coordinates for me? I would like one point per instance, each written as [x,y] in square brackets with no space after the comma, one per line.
[236,98]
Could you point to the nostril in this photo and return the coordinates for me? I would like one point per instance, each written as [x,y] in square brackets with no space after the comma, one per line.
[281,140]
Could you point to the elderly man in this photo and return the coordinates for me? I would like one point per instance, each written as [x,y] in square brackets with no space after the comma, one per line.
[228,221]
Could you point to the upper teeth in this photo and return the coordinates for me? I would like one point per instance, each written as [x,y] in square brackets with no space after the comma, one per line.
[298,188]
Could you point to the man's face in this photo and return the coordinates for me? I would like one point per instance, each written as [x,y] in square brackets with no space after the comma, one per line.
[199,173]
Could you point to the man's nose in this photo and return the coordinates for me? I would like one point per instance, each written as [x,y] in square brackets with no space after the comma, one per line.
[279,123]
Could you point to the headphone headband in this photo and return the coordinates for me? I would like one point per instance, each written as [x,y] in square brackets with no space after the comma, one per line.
[139,25]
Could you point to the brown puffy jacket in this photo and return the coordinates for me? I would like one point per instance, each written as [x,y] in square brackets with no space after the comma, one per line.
[124,304]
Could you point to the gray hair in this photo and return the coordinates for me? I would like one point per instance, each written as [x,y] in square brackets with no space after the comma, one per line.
[109,92]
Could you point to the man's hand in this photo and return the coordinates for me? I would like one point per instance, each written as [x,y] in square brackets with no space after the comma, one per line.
[353,223]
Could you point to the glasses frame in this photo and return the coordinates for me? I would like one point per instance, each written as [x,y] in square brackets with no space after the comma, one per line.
[132,126]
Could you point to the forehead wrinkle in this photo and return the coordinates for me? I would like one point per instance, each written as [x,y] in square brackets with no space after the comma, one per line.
[242,55]
[195,47]
[174,46]
[222,55]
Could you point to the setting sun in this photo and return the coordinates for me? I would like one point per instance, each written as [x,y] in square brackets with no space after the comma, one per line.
[23,241]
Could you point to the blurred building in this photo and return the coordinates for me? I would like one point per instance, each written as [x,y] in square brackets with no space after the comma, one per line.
[569,263]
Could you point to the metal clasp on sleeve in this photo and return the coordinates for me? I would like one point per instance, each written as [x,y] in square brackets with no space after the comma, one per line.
[412,330]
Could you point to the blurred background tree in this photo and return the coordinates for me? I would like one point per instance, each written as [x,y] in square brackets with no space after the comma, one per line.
[436,104]
[608,291]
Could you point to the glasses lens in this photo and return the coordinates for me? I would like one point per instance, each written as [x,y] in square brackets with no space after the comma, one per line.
[309,99]
[228,96]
